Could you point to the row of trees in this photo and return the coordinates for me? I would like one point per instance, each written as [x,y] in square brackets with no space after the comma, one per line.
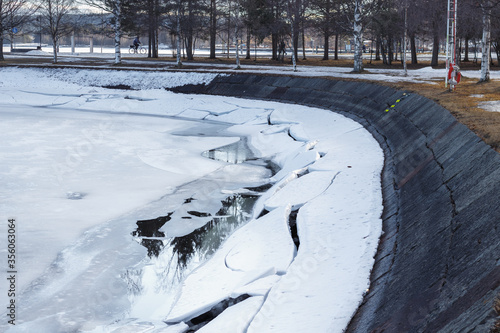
[386,22]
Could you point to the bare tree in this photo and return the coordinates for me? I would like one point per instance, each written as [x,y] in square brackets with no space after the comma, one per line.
[277,24]
[56,18]
[486,41]
[258,19]
[436,14]
[468,27]
[13,13]
[296,16]
[293,15]
[413,26]
[114,7]
[327,20]
[194,18]
[237,23]
[487,7]
[495,32]
[358,13]
[178,31]
[213,27]
[358,35]
[355,13]
[387,24]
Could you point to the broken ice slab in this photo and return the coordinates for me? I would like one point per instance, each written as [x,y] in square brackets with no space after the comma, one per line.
[235,153]
[258,287]
[236,318]
[198,214]
[301,190]
[298,159]
[261,248]
[298,133]
[338,231]
[249,114]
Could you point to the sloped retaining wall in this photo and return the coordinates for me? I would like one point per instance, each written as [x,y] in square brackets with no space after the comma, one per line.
[437,268]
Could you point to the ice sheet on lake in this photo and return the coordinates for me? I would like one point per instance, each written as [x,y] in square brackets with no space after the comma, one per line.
[121,162]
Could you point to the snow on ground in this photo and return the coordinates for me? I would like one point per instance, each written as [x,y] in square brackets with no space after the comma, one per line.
[493,106]
[81,164]
[423,75]
[91,78]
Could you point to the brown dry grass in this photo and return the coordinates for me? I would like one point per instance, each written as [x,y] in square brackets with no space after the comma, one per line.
[496,325]
[460,103]
[464,107]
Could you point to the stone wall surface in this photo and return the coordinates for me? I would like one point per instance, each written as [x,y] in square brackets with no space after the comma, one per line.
[438,264]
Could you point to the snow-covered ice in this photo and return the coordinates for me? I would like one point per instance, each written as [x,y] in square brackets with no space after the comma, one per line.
[81,164]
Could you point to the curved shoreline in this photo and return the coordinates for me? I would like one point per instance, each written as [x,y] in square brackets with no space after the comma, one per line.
[324,171]
[437,264]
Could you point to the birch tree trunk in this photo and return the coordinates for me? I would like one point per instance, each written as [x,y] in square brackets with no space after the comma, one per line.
[293,16]
[358,37]
[485,44]
[179,62]
[238,66]
[294,48]
[117,12]
[404,41]
[237,35]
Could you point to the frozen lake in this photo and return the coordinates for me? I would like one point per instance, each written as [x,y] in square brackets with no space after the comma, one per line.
[149,211]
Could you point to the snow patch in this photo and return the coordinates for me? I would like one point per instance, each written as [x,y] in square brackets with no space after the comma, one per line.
[493,106]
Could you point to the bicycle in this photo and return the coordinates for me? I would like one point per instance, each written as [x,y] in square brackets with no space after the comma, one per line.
[139,50]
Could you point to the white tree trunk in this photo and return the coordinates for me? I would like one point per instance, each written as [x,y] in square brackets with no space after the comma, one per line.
[358,38]
[294,61]
[238,66]
[117,13]
[237,33]
[179,61]
[485,45]
[293,17]
[405,67]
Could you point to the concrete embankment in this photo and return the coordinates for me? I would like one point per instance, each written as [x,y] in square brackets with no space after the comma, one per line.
[438,263]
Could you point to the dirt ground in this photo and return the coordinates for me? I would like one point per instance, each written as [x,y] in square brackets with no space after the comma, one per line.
[459,102]
[465,108]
